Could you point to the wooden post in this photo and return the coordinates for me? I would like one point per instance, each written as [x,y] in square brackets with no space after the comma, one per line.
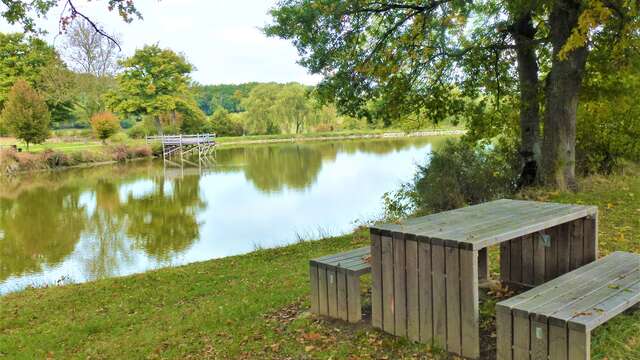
[376,281]
[469,303]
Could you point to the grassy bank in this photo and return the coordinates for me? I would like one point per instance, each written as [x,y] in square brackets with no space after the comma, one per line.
[255,305]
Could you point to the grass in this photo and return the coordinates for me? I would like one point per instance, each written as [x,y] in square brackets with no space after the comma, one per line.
[255,305]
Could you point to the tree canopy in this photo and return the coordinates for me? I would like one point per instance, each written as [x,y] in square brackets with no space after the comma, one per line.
[443,57]
[154,82]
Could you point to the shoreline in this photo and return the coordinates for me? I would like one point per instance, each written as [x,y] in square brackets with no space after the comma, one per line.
[241,142]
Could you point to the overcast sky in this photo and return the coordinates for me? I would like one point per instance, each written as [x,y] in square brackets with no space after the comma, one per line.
[220,37]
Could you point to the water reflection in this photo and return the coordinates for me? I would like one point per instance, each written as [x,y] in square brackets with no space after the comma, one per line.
[94,223]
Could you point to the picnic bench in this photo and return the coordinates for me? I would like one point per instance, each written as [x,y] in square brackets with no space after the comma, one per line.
[425,271]
[554,321]
[335,284]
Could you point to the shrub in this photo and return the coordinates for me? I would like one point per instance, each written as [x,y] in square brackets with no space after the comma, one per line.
[138,132]
[119,138]
[104,125]
[26,114]
[55,159]
[458,174]
[222,124]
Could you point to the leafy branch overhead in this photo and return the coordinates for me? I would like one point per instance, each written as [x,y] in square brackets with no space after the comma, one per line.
[444,58]
[25,13]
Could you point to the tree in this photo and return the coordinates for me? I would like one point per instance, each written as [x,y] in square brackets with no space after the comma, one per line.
[222,124]
[88,52]
[412,56]
[32,60]
[26,114]
[153,82]
[105,125]
[261,116]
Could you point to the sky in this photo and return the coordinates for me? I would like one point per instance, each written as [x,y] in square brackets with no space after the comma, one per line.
[221,38]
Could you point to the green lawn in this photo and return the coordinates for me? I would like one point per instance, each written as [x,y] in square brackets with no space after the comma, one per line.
[255,306]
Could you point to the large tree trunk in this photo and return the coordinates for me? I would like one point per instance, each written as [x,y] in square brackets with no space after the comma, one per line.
[524,34]
[562,89]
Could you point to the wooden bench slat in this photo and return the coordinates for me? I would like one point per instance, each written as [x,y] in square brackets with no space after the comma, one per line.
[604,291]
[575,278]
[334,258]
[608,308]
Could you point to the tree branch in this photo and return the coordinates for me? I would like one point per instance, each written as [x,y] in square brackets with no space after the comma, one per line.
[64,21]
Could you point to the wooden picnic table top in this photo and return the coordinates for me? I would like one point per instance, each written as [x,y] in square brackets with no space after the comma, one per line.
[479,226]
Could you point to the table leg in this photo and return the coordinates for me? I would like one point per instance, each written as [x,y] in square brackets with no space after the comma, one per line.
[469,303]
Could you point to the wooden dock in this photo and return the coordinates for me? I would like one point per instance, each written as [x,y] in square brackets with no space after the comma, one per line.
[182,145]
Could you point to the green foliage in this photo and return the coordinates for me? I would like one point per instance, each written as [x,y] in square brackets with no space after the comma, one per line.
[228,96]
[609,115]
[23,58]
[458,174]
[25,12]
[105,125]
[26,114]
[89,92]
[154,82]
[222,124]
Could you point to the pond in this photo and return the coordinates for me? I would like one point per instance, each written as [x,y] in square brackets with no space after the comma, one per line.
[83,224]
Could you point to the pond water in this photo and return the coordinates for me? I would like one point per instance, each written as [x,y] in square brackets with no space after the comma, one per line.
[84,224]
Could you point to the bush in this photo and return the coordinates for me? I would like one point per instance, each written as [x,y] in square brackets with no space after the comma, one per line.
[138,132]
[119,138]
[104,125]
[458,174]
[222,124]
[127,123]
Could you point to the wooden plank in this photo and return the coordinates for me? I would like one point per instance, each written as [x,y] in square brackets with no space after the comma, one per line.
[539,260]
[505,261]
[469,302]
[521,337]
[334,259]
[539,340]
[568,301]
[577,244]
[341,285]
[558,341]
[590,239]
[400,284]
[332,292]
[483,264]
[516,260]
[354,307]
[376,281]
[323,292]
[388,317]
[591,294]
[504,333]
[527,260]
[626,298]
[313,279]
[452,263]
[562,234]
[579,345]
[413,300]
[425,291]
[548,291]
[438,279]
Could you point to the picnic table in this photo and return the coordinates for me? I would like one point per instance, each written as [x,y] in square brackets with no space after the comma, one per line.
[426,270]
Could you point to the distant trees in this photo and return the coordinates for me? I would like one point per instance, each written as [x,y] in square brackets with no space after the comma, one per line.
[104,125]
[222,124]
[154,82]
[26,114]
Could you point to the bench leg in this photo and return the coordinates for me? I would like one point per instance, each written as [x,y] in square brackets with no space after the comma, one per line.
[332,292]
[342,295]
[323,306]
[579,344]
[483,265]
[354,309]
[315,298]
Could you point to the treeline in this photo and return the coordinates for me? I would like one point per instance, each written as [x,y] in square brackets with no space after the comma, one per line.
[85,84]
